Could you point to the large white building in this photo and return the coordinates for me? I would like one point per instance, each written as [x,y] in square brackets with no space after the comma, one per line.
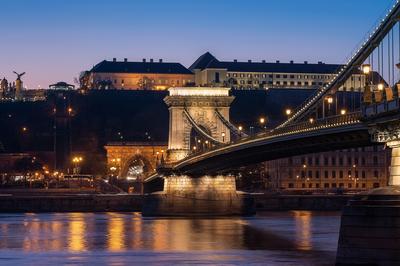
[209,71]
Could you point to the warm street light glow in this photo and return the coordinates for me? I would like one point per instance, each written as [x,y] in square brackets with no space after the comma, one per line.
[366,68]
[240,128]
[77,159]
[329,99]
[311,120]
[69,109]
[223,134]
[24,129]
[343,111]
[262,120]
[288,111]
[380,86]
[194,148]
[304,166]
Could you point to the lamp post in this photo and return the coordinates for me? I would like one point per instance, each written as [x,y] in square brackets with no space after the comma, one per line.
[76,162]
[263,121]
[329,100]
[288,112]
[366,69]
[240,131]
[223,137]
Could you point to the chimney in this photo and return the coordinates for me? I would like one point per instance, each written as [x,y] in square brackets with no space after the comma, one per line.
[160,60]
[305,62]
[277,61]
[291,61]
[235,60]
[144,60]
[249,61]
[263,61]
[151,60]
[125,60]
[114,59]
[320,63]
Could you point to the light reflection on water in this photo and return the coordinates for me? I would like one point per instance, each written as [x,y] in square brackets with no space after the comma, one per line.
[299,237]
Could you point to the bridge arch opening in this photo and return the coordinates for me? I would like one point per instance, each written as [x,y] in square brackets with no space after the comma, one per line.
[198,142]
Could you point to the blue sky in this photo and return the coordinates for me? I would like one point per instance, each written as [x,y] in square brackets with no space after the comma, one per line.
[54,40]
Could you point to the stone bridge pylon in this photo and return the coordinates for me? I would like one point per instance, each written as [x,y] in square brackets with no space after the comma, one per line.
[198,119]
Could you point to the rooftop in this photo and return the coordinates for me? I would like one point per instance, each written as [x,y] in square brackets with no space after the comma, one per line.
[140,67]
[207,60]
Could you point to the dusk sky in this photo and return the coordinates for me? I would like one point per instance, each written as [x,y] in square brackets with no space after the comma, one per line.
[53,40]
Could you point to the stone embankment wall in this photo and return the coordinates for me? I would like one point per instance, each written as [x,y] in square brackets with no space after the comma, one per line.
[301,202]
[70,203]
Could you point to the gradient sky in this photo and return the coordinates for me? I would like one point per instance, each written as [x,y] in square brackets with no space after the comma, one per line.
[54,40]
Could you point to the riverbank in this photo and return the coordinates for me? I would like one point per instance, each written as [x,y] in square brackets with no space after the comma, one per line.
[79,201]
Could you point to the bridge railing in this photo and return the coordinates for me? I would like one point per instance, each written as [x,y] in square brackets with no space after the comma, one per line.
[312,124]
[381,108]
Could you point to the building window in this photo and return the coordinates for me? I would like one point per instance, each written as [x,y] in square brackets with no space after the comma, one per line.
[326,175]
[292,76]
[356,174]
[376,185]
[375,160]
[340,174]
[278,76]
[326,161]
[285,76]
[326,185]
[310,174]
[310,185]
[317,174]
[303,185]
[376,174]
[333,161]
[303,174]
[349,160]
[291,185]
[362,161]
[340,161]
[341,185]
[333,174]
[363,185]
[317,185]
[333,185]
[363,174]
[216,77]
[309,160]
[316,160]
[349,185]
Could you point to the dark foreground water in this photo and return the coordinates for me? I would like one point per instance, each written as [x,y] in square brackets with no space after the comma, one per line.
[285,238]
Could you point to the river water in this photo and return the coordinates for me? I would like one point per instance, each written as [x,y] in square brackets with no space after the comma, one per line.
[270,238]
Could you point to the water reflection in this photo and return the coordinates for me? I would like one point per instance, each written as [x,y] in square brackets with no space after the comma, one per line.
[124,232]
[77,228]
[303,229]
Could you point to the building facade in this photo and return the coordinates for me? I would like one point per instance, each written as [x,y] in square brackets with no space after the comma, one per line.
[145,75]
[350,169]
[209,71]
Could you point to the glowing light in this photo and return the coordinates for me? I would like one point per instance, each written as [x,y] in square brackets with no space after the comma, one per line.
[380,86]
[288,111]
[198,91]
[343,111]
[366,68]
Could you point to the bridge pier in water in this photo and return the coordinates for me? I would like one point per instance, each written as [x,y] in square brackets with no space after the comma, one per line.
[370,224]
[184,195]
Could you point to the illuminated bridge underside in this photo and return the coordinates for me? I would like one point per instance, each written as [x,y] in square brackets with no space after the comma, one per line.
[274,147]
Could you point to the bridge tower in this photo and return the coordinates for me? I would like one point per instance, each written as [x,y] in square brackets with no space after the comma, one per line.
[199,120]
[196,120]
